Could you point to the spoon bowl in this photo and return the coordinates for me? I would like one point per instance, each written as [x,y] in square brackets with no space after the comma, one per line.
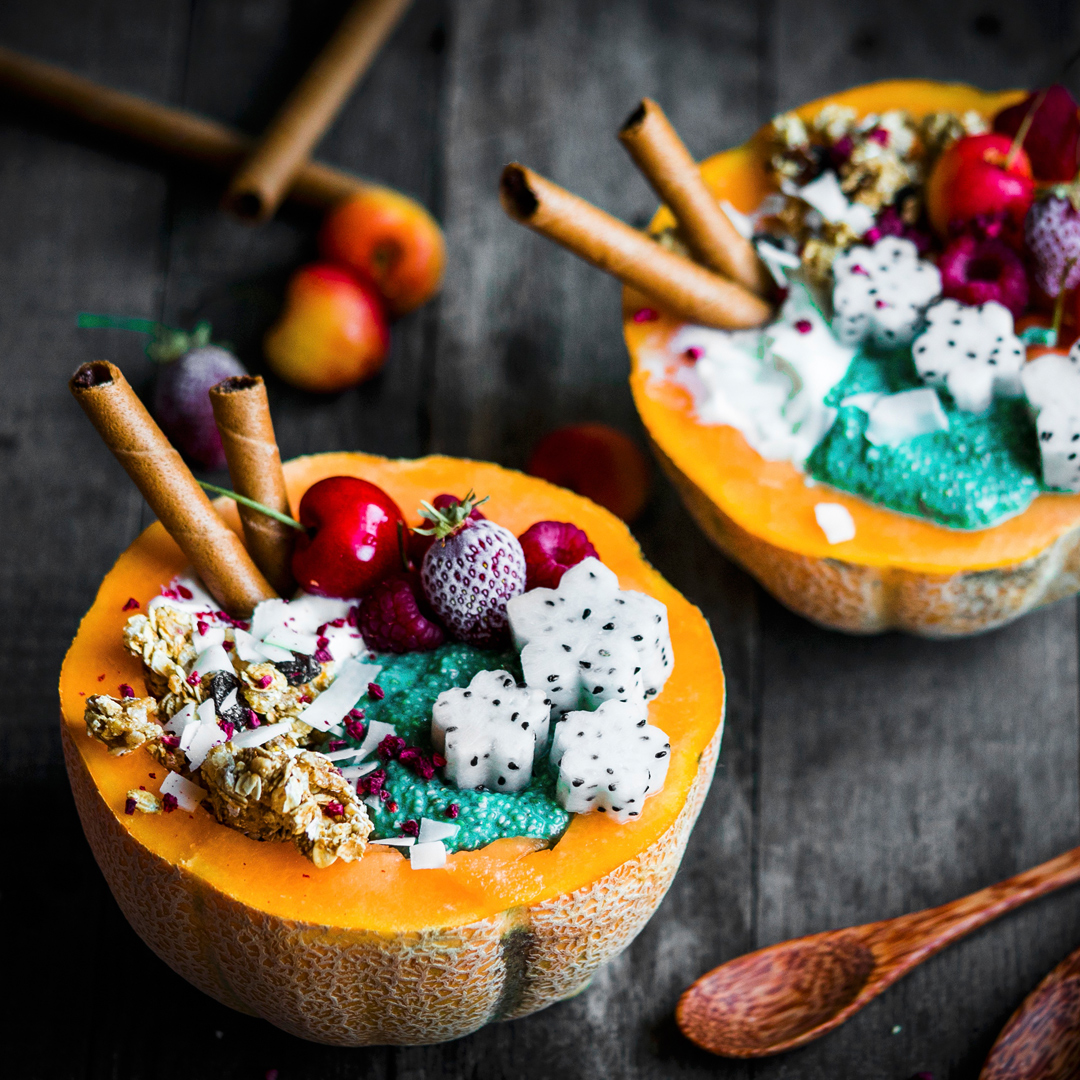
[1042,1039]
[731,1010]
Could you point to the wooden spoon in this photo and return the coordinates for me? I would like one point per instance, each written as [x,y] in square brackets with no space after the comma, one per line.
[789,994]
[1042,1039]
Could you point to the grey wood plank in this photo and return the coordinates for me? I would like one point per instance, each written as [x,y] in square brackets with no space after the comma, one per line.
[79,231]
[529,339]
[896,773]
[244,58]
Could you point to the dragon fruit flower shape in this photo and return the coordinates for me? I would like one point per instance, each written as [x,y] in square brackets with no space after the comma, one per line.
[588,641]
[880,293]
[970,351]
[610,760]
[1052,385]
[490,733]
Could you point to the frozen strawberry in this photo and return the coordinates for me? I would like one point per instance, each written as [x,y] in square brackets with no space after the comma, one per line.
[1052,236]
[551,548]
[976,271]
[470,573]
[1052,138]
[391,617]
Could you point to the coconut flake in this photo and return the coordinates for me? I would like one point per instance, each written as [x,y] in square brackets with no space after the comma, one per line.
[827,197]
[205,738]
[187,795]
[742,223]
[212,635]
[343,693]
[836,522]
[186,593]
[342,755]
[430,831]
[248,649]
[354,772]
[258,736]
[896,418]
[285,638]
[228,703]
[430,856]
[396,841]
[181,719]
[213,659]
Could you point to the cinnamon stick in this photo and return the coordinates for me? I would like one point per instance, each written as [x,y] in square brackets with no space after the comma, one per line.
[216,552]
[176,132]
[661,155]
[242,414]
[675,283]
[260,184]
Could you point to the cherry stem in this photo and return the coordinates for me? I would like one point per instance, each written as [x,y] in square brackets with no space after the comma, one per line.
[277,515]
[1023,129]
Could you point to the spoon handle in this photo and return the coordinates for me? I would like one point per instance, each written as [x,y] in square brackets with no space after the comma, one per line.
[904,942]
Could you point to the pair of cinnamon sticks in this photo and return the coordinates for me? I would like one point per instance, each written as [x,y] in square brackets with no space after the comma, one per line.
[264,171]
[730,291]
[238,577]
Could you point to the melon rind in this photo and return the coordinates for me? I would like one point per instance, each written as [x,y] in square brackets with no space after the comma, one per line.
[899,573]
[356,988]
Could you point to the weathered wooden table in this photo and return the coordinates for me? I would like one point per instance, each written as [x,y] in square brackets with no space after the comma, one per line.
[858,779]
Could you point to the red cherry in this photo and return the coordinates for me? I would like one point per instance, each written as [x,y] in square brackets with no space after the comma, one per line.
[980,176]
[352,540]
[1053,136]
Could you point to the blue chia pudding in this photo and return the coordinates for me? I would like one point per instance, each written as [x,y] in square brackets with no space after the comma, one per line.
[411,682]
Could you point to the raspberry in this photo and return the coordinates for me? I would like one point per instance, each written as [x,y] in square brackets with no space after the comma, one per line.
[976,271]
[1051,141]
[551,548]
[890,223]
[391,619]
[1052,236]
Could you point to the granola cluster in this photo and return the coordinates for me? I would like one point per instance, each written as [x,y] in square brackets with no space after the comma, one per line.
[280,790]
[880,162]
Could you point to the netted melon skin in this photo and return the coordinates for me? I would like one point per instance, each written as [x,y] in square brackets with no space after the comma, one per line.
[356,988]
[859,599]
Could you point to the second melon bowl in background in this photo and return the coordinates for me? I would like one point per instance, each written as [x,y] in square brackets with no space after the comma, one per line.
[899,572]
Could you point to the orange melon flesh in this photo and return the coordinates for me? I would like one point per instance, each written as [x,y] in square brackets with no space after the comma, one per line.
[771,500]
[381,893]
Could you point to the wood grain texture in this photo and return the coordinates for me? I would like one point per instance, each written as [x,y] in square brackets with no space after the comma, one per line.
[858,779]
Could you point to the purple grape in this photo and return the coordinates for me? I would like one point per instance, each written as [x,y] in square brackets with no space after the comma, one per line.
[182,402]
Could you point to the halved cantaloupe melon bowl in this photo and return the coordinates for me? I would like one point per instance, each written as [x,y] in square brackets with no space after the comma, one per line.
[374,952]
[899,572]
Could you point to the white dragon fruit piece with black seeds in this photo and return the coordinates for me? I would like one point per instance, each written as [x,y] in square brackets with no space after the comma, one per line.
[610,760]
[470,572]
[490,732]
[972,352]
[1052,385]
[881,293]
[588,641]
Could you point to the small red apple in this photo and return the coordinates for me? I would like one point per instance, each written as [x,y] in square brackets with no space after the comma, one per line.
[389,240]
[332,333]
[353,538]
[980,176]
[598,462]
